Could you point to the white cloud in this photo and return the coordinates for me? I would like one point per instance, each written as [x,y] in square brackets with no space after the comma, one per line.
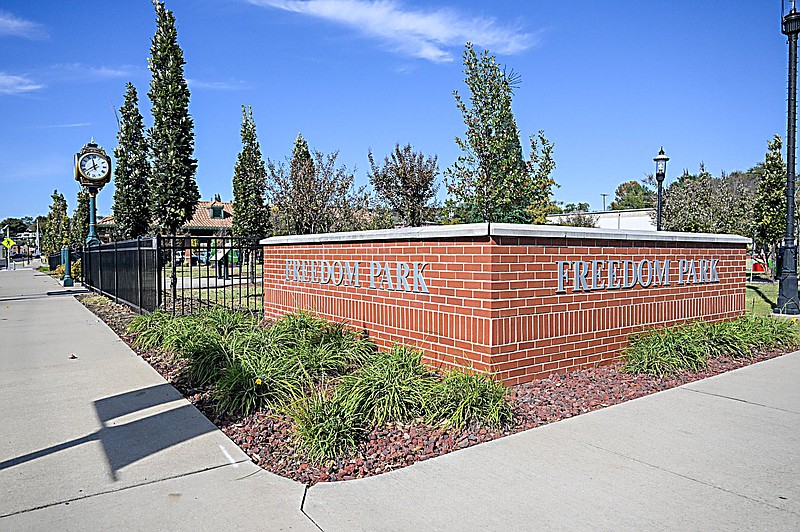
[427,34]
[13,26]
[10,84]
[233,85]
[60,126]
[86,72]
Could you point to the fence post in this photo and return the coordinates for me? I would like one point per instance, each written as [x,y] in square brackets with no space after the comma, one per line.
[116,275]
[157,244]
[100,266]
[139,274]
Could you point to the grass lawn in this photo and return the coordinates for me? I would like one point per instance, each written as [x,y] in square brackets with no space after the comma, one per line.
[762,297]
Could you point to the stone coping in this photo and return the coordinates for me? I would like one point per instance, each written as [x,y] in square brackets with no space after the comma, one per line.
[442,232]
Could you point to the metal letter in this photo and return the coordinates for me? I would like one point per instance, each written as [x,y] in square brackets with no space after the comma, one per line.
[597,268]
[683,268]
[387,278]
[326,271]
[661,272]
[351,274]
[563,275]
[640,273]
[628,281]
[419,281]
[374,272]
[581,270]
[402,273]
[612,274]
[333,272]
[288,268]
[714,272]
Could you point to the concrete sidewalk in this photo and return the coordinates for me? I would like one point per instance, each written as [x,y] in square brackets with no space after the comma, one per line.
[102,442]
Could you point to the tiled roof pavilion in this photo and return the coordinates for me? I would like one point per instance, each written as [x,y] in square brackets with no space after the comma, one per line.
[211,216]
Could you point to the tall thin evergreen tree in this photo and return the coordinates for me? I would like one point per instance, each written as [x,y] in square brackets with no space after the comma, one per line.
[173,187]
[79,224]
[56,227]
[770,205]
[131,202]
[251,217]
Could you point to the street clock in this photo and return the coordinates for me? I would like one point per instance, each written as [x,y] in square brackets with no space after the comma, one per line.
[92,167]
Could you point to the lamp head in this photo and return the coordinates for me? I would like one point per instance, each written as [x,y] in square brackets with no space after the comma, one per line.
[661,165]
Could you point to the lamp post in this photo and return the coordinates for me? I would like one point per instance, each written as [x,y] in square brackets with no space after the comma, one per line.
[787,288]
[661,173]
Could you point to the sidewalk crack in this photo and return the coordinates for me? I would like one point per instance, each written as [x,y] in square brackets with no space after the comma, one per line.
[303,510]
[124,488]
[741,400]
[687,477]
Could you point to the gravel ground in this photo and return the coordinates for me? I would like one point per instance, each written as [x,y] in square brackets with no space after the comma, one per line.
[269,440]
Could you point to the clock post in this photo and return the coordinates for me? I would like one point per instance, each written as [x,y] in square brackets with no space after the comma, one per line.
[93,172]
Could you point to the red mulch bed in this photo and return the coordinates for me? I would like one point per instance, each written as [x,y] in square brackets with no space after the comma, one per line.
[270,441]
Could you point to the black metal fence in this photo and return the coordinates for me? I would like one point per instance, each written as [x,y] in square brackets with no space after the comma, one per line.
[54,260]
[178,274]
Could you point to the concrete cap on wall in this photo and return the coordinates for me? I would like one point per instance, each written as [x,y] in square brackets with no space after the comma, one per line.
[444,232]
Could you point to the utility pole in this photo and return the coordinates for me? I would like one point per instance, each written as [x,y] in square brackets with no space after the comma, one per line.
[604,201]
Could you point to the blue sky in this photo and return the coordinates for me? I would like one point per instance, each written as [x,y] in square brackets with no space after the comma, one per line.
[609,82]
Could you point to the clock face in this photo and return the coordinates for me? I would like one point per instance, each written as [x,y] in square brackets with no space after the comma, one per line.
[93,166]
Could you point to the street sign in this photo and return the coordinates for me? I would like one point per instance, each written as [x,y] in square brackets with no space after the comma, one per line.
[8,243]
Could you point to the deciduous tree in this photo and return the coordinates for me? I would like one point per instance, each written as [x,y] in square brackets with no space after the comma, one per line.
[406,183]
[315,195]
[633,195]
[491,181]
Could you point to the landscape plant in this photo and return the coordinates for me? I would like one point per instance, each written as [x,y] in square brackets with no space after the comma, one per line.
[326,427]
[461,398]
[687,347]
[393,386]
[56,227]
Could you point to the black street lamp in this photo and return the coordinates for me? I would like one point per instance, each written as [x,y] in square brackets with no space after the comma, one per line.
[661,173]
[787,289]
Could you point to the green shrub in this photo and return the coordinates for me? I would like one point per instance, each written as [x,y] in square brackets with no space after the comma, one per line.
[462,398]
[393,386]
[76,270]
[226,322]
[150,329]
[252,381]
[207,355]
[320,349]
[327,428]
[687,347]
[666,351]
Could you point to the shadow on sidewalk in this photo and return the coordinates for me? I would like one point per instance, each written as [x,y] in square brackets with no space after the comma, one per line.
[127,442]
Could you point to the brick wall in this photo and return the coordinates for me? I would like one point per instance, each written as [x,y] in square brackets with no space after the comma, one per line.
[492,301]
